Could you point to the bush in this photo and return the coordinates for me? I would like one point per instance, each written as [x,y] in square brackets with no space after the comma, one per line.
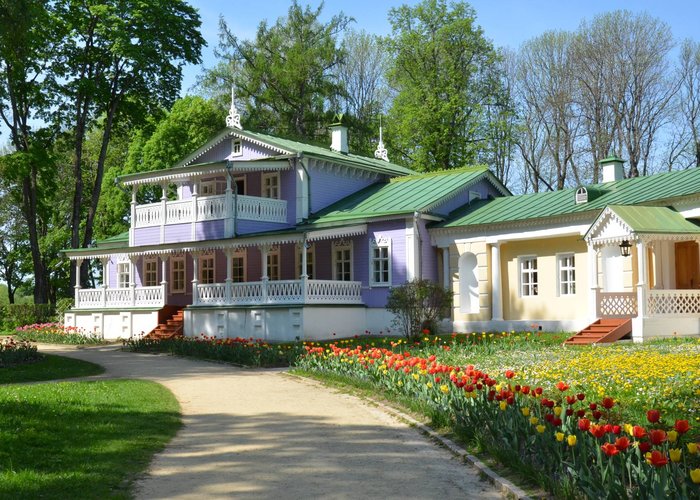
[417,306]
[16,353]
[14,315]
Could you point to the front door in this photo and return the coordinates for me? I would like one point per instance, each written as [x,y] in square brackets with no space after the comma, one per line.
[687,265]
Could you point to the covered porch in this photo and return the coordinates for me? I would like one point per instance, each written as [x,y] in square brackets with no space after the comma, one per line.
[645,265]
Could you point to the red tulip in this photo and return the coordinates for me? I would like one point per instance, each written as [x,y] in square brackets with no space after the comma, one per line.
[562,386]
[580,396]
[657,436]
[616,429]
[597,414]
[644,446]
[638,432]
[622,443]
[525,389]
[581,413]
[538,391]
[510,374]
[608,428]
[682,426]
[570,400]
[593,406]
[597,430]
[584,424]
[610,449]
[657,459]
[608,403]
[653,416]
[570,412]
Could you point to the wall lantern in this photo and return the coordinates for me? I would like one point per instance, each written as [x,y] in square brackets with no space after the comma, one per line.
[625,248]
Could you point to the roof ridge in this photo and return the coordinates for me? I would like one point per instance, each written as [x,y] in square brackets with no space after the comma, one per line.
[438,173]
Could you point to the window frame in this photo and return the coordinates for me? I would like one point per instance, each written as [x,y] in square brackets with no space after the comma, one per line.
[207,275]
[275,252]
[209,186]
[380,244]
[146,262]
[123,274]
[338,247]
[265,190]
[173,281]
[570,283]
[242,254]
[531,284]
[236,147]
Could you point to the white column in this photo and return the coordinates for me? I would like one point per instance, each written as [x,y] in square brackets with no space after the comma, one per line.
[446,268]
[304,277]
[132,279]
[78,263]
[594,289]
[133,215]
[164,210]
[641,279]
[229,275]
[496,300]
[228,212]
[195,278]
[164,276]
[105,279]
[264,250]
[195,212]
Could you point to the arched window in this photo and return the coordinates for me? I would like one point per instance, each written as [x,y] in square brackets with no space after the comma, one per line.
[468,284]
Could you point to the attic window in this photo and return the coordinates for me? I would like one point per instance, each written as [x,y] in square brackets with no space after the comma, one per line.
[474,195]
[236,147]
[581,195]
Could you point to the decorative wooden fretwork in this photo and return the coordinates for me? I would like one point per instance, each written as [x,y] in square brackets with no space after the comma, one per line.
[617,304]
[673,302]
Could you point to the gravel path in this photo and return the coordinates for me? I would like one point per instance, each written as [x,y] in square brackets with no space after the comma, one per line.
[253,433]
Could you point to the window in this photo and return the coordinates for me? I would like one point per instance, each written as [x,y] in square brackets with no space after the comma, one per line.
[177,274]
[271,185]
[150,272]
[123,274]
[236,147]
[273,264]
[528,276]
[567,274]
[342,261]
[207,188]
[206,269]
[380,262]
[310,252]
[238,273]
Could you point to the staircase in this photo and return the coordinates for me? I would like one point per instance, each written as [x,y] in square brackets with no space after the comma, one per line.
[602,331]
[171,324]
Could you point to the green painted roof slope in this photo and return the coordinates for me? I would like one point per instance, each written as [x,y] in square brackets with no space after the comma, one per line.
[654,219]
[420,192]
[635,191]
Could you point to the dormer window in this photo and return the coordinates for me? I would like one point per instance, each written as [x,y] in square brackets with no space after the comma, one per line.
[236,147]
[581,195]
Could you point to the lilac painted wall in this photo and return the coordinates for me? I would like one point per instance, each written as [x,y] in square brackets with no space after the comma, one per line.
[112,272]
[209,230]
[175,233]
[288,191]
[222,150]
[146,236]
[396,231]
[328,187]
[429,270]
[249,226]
[217,153]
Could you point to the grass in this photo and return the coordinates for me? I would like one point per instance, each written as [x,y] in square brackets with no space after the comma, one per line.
[81,439]
[48,367]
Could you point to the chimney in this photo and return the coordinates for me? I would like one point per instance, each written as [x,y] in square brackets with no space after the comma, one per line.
[339,135]
[612,168]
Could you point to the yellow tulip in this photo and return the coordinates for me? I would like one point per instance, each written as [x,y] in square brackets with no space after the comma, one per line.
[559,436]
[540,428]
[444,388]
[629,428]
[571,440]
[503,405]
[534,420]
[672,436]
[692,448]
[557,411]
[695,476]
[429,385]
[525,411]
[674,454]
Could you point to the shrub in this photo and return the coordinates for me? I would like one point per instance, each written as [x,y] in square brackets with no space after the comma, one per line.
[14,315]
[417,306]
[15,353]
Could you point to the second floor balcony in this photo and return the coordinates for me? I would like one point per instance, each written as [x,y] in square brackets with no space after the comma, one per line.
[207,208]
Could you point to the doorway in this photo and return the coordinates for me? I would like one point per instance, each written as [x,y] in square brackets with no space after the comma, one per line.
[687,265]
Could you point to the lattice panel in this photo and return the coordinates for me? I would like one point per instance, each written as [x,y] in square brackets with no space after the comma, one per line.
[673,302]
[617,305]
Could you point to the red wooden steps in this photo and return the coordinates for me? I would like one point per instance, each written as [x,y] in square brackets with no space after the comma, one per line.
[171,326]
[602,331]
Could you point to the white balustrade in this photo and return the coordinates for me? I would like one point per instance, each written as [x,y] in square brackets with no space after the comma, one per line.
[617,304]
[284,292]
[148,215]
[211,207]
[179,212]
[211,294]
[246,293]
[673,302]
[333,292]
[261,209]
[147,296]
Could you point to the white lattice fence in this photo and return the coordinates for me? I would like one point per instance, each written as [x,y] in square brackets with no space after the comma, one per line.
[284,291]
[214,293]
[246,293]
[617,304]
[673,302]
[334,292]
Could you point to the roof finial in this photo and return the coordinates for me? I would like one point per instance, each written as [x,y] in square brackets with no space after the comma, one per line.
[381,152]
[233,120]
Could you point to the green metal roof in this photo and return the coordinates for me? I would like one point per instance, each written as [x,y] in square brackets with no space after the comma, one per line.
[119,241]
[402,195]
[644,220]
[635,191]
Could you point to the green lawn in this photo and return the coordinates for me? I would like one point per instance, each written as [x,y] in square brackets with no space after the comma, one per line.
[49,367]
[81,439]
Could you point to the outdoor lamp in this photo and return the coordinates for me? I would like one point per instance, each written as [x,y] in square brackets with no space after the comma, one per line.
[625,248]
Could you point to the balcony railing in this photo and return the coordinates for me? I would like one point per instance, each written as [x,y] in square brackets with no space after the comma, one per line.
[673,302]
[205,208]
[279,292]
[98,298]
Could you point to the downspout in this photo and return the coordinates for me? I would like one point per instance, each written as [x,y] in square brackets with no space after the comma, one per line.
[416,229]
[300,159]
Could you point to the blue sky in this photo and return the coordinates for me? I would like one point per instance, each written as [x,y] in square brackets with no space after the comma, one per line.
[507,23]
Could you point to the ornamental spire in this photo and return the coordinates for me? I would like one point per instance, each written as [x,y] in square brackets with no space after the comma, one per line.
[381,152]
[233,120]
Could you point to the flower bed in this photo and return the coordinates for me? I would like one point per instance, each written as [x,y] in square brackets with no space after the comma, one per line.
[247,352]
[572,441]
[14,353]
[55,333]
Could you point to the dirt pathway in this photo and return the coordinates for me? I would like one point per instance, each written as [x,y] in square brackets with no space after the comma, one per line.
[253,434]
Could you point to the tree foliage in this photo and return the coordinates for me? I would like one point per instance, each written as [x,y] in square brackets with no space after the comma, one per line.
[418,305]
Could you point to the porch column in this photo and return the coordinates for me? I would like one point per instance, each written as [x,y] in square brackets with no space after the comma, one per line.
[195,212]
[446,268]
[105,279]
[132,278]
[304,277]
[164,210]
[229,275]
[496,300]
[195,278]
[133,215]
[264,250]
[593,282]
[78,263]
[641,279]
[228,207]
[164,276]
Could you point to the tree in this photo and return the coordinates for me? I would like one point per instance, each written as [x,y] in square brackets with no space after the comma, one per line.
[417,306]
[689,102]
[286,74]
[443,75]
[119,60]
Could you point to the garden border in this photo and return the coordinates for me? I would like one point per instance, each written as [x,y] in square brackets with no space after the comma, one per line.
[502,484]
